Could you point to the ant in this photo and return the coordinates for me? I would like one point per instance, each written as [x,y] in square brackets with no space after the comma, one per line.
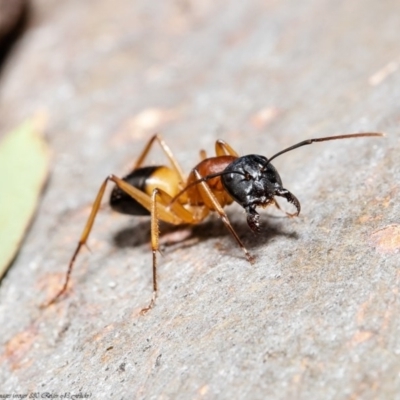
[164,194]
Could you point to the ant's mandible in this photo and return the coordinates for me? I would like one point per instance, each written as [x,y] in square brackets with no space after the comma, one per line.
[163,193]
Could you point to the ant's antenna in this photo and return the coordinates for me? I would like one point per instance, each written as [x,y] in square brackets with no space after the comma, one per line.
[203,179]
[324,139]
[303,143]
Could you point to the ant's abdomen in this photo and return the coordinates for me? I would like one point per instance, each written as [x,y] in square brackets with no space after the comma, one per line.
[145,179]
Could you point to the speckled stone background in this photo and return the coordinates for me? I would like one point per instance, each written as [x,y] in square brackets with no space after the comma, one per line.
[317,315]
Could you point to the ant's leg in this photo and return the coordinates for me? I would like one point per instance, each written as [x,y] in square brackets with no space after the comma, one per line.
[154,248]
[203,155]
[167,152]
[135,193]
[160,198]
[206,192]
[82,240]
[223,149]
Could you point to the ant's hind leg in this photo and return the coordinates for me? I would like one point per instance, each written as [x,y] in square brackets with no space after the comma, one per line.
[166,150]
[224,149]
[135,193]
[82,241]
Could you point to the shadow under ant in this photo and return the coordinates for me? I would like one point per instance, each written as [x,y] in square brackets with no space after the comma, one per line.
[139,234]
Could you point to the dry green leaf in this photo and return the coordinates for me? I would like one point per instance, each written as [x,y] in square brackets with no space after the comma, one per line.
[24,161]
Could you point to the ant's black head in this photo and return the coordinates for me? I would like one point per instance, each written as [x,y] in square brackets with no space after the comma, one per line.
[254,182]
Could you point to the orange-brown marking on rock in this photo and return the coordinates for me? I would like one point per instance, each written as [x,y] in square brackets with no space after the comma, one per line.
[100,335]
[367,218]
[264,117]
[146,122]
[387,239]
[360,337]
[17,348]
[363,310]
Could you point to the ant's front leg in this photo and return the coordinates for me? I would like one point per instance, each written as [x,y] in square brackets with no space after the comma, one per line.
[207,193]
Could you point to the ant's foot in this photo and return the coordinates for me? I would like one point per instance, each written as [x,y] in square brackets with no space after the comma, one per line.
[53,299]
[251,259]
[152,303]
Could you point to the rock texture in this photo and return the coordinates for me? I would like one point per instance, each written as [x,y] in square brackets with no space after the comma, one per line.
[317,315]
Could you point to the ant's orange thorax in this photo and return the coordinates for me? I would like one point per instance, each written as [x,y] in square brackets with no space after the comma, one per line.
[206,167]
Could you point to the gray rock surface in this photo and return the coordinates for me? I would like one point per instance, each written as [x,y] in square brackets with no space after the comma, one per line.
[317,315]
